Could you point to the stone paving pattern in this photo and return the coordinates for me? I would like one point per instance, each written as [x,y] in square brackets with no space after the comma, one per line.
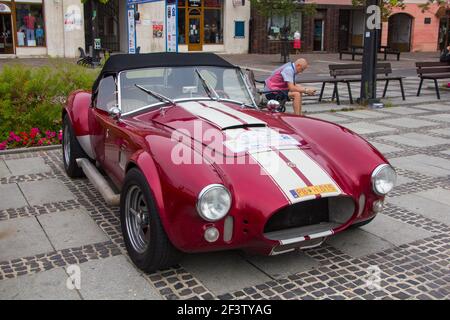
[49,222]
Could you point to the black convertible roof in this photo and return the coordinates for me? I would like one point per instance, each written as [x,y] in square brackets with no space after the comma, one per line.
[121,62]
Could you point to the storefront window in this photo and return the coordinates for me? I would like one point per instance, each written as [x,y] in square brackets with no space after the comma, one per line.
[182,26]
[213,26]
[30,24]
[276,23]
[200,21]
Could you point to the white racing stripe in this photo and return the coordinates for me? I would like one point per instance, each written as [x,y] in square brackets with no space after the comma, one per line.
[284,177]
[241,115]
[311,170]
[218,118]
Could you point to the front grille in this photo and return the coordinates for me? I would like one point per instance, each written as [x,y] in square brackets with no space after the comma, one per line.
[309,217]
[299,215]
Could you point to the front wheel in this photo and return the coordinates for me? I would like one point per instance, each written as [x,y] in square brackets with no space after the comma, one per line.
[145,238]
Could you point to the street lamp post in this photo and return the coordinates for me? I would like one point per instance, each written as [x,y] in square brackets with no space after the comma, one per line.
[369,62]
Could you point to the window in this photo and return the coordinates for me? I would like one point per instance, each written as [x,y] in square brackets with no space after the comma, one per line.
[239,29]
[275,23]
[106,95]
[182,26]
[213,26]
[30,24]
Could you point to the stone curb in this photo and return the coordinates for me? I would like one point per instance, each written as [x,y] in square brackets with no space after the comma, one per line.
[31,149]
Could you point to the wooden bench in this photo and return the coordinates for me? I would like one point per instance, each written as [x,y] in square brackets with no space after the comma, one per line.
[348,73]
[385,50]
[353,51]
[359,50]
[432,71]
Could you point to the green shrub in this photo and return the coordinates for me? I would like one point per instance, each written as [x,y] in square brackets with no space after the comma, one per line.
[33,97]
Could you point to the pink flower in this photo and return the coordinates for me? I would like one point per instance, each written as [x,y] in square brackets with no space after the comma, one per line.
[60,135]
[3,145]
[34,132]
[40,142]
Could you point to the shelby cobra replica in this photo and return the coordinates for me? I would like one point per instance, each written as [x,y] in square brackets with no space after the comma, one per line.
[200,167]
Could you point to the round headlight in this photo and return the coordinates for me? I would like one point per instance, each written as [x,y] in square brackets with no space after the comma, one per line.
[214,202]
[384,178]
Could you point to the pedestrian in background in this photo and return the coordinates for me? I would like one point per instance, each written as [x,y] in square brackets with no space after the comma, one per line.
[297,42]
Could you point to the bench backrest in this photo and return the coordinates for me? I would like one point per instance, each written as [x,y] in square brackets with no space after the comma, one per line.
[354,69]
[432,67]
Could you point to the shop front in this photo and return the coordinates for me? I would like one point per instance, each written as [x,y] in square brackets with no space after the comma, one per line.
[193,25]
[21,25]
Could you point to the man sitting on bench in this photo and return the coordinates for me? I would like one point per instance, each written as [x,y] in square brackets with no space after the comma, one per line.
[282,81]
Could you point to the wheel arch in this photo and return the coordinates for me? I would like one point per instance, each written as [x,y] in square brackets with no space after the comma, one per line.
[144,162]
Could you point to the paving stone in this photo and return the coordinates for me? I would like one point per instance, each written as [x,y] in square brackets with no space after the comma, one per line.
[26,166]
[71,228]
[403,180]
[425,164]
[45,191]
[395,231]
[444,117]
[434,107]
[415,139]
[407,123]
[328,117]
[4,171]
[366,128]
[362,114]
[446,152]
[11,197]
[423,206]
[283,265]
[384,148]
[22,237]
[223,272]
[48,285]
[444,132]
[114,279]
[358,243]
[402,110]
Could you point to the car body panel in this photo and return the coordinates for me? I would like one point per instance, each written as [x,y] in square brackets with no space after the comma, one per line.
[147,140]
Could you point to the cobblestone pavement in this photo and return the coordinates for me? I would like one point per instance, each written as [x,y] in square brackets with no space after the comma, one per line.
[49,222]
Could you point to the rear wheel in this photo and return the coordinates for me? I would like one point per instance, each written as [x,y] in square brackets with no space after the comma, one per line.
[71,150]
[145,238]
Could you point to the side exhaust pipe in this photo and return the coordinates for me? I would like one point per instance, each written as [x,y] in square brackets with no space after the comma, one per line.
[99,182]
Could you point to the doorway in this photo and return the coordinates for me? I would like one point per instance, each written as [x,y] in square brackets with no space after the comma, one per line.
[6,30]
[318,34]
[399,32]
[195,30]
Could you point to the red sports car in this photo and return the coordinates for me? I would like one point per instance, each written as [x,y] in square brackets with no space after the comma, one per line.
[201,168]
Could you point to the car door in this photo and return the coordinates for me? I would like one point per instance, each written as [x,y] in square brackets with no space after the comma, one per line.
[111,138]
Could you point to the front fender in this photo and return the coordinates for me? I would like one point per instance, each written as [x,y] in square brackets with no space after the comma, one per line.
[77,108]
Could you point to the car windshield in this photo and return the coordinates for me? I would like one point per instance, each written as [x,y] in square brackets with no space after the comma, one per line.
[177,83]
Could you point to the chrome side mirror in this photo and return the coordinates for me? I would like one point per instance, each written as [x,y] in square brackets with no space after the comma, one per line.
[115,113]
[273,105]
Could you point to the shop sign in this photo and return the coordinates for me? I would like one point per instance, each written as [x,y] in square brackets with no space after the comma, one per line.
[131,32]
[171,27]
[97,44]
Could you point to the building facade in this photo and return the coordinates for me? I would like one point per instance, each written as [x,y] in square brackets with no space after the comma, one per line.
[59,27]
[337,24]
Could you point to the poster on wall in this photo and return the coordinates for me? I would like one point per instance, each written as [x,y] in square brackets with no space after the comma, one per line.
[158,28]
[171,26]
[131,31]
[73,19]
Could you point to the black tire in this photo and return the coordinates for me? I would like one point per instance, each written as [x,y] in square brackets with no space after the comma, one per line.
[362,223]
[74,151]
[159,253]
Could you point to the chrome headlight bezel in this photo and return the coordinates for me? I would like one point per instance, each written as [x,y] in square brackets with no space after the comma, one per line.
[201,196]
[376,175]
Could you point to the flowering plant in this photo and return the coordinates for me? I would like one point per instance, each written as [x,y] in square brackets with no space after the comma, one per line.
[33,138]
